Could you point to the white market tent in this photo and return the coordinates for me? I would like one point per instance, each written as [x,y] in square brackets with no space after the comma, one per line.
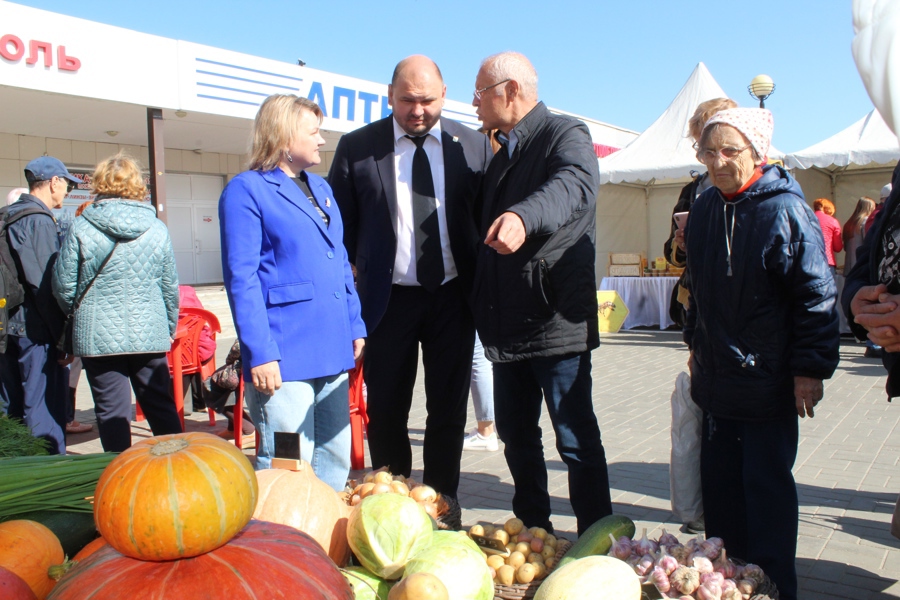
[854,162]
[640,183]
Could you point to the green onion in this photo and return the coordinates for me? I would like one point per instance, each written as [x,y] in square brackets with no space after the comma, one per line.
[16,439]
[63,483]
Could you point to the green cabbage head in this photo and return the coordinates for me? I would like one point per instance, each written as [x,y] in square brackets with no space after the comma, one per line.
[365,585]
[458,562]
[386,530]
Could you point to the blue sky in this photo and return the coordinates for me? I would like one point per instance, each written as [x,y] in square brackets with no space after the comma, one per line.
[620,62]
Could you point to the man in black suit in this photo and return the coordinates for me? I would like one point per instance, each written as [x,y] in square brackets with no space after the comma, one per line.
[406,186]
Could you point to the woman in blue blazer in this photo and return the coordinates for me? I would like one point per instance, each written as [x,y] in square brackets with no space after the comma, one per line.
[291,290]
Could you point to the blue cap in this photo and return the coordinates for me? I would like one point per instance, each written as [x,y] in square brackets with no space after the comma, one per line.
[46,168]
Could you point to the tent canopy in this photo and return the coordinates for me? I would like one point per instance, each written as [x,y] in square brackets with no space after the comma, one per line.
[869,140]
[665,150]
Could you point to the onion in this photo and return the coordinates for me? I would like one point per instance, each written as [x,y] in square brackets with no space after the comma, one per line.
[423,493]
[381,488]
[383,477]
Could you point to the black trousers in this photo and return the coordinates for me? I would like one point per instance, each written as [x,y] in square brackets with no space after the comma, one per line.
[442,323]
[112,379]
[749,494]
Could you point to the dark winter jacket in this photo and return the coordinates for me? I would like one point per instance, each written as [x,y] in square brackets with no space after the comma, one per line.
[542,299]
[34,245]
[775,317]
[865,273]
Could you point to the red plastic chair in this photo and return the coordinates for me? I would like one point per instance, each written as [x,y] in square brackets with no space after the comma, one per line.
[184,356]
[358,418]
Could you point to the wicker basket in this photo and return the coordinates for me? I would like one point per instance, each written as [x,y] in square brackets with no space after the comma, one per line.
[518,591]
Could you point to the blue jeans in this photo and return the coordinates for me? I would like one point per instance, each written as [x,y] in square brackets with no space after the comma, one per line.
[565,383]
[482,384]
[319,410]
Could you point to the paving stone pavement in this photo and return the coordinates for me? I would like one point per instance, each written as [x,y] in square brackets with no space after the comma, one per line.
[847,464]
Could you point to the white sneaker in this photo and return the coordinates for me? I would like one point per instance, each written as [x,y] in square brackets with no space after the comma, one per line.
[476,441]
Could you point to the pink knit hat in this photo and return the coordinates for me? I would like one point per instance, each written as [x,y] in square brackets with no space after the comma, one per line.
[755,123]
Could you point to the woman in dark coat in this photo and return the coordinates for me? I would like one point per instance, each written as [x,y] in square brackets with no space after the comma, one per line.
[763,333]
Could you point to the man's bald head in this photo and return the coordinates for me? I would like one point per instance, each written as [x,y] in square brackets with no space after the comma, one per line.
[416,63]
[513,66]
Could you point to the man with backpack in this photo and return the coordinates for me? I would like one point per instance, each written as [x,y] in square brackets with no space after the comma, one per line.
[33,377]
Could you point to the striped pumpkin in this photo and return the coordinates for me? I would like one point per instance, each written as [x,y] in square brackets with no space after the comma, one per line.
[175,496]
[265,560]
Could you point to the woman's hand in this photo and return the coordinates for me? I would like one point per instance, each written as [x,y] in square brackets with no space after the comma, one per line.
[266,377]
[359,345]
[807,393]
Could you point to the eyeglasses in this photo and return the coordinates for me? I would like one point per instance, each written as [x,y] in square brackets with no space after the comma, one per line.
[728,153]
[478,93]
[69,185]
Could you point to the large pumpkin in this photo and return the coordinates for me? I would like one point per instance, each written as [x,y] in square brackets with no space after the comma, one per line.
[175,496]
[13,587]
[302,500]
[29,549]
[265,560]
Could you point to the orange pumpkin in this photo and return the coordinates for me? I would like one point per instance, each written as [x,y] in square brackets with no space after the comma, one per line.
[29,549]
[305,502]
[90,549]
[175,496]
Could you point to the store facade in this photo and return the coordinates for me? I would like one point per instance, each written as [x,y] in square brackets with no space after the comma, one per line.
[80,91]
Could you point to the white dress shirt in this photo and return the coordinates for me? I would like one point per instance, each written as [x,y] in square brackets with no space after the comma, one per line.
[404,149]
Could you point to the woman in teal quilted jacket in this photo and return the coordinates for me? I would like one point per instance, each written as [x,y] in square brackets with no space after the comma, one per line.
[127,316]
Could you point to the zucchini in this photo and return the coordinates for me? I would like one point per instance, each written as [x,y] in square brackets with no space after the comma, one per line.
[74,530]
[596,539]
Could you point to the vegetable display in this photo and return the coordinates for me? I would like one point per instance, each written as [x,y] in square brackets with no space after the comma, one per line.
[698,569]
[265,560]
[531,553]
[302,500]
[175,496]
[29,550]
[596,539]
[386,530]
[59,482]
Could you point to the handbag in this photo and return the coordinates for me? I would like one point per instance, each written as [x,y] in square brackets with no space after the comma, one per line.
[64,344]
[684,460]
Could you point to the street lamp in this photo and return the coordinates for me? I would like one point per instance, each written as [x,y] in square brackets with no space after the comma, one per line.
[761,88]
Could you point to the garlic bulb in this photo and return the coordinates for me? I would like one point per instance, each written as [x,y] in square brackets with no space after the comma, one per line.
[747,586]
[644,545]
[713,578]
[709,591]
[685,579]
[666,562]
[619,549]
[725,566]
[702,564]
[660,579]
[667,539]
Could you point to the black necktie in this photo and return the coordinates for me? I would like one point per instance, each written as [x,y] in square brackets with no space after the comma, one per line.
[429,259]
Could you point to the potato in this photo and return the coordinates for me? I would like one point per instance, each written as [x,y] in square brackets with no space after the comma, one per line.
[548,552]
[476,530]
[510,547]
[516,560]
[524,536]
[495,561]
[488,528]
[523,548]
[537,544]
[550,540]
[539,532]
[541,571]
[506,575]
[534,557]
[526,573]
[550,563]
[419,586]
[514,526]
[499,534]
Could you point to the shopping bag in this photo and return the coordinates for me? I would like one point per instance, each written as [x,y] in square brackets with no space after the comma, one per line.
[684,463]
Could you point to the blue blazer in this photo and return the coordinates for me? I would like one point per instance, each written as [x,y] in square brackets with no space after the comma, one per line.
[287,276]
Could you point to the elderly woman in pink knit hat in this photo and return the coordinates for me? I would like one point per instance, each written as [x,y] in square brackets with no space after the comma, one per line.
[763,333]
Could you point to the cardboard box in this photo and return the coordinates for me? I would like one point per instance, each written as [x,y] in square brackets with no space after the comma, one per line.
[624,258]
[625,270]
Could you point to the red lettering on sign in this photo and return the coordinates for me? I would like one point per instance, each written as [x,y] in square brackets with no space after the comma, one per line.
[34,47]
[17,44]
[66,63]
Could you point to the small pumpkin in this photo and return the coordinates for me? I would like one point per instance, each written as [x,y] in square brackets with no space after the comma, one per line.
[28,549]
[90,549]
[265,560]
[13,587]
[175,496]
[305,502]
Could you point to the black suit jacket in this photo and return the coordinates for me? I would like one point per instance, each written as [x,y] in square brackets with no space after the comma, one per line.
[362,178]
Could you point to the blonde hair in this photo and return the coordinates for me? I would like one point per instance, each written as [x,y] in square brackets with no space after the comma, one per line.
[119,176]
[825,205]
[704,112]
[864,207]
[274,127]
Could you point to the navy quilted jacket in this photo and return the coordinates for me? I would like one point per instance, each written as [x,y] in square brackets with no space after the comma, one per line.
[775,316]
[132,308]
